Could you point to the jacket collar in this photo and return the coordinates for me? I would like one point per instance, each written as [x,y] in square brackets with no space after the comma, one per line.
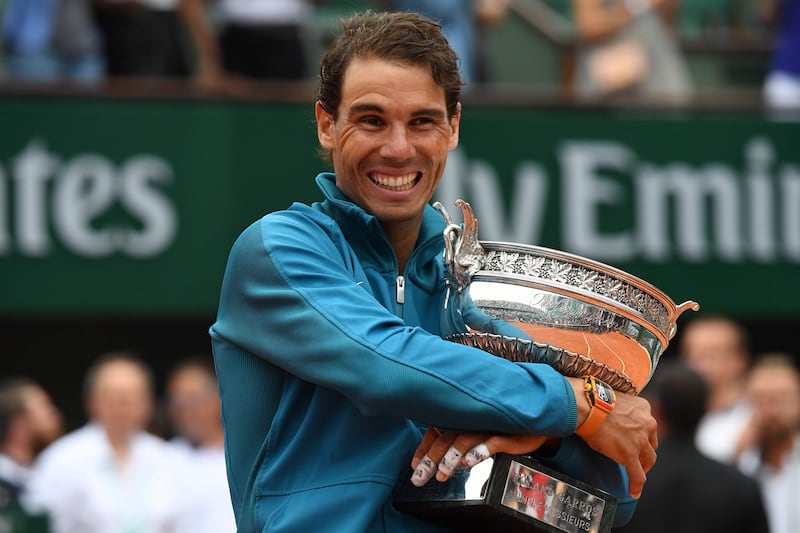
[364,233]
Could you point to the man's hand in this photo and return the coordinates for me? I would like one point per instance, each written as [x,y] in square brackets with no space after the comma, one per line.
[627,436]
[441,452]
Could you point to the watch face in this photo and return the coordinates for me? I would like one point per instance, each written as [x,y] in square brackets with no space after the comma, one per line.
[604,393]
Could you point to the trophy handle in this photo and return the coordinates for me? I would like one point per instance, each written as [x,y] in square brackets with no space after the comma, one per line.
[463,254]
[685,306]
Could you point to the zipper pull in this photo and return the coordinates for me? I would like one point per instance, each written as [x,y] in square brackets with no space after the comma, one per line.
[400,282]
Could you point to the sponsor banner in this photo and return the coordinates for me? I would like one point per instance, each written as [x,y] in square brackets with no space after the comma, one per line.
[130,206]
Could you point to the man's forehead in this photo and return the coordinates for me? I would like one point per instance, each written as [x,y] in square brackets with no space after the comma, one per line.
[362,64]
[369,84]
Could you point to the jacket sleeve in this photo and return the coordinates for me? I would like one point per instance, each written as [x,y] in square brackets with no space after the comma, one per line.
[291,297]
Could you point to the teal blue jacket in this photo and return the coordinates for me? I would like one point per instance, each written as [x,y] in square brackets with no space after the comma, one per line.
[327,380]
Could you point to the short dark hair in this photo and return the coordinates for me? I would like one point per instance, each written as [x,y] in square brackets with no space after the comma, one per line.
[201,361]
[741,335]
[779,360]
[12,400]
[397,36]
[681,393]
[105,359]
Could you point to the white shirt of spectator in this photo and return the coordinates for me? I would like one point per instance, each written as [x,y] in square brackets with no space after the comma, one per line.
[161,5]
[779,488]
[77,482]
[719,431]
[266,11]
[205,489]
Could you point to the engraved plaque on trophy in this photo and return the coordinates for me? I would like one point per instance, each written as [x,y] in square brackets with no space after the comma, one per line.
[510,493]
[539,305]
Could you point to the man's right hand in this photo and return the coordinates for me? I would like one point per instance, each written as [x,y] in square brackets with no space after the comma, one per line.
[627,436]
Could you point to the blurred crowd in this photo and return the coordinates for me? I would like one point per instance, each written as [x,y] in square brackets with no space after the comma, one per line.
[140,464]
[87,41]
[621,48]
[148,461]
[729,436]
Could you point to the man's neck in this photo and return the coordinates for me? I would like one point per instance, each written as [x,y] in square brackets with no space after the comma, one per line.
[775,453]
[21,455]
[121,446]
[214,440]
[403,238]
[725,398]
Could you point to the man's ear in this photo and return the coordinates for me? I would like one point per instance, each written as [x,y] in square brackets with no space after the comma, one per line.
[325,127]
[455,122]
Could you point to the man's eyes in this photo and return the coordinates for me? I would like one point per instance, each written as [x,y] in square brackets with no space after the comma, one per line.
[371,121]
[423,121]
[416,121]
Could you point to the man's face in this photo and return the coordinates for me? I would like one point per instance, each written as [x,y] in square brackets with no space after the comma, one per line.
[43,418]
[711,349]
[775,395]
[194,404]
[390,141]
[121,400]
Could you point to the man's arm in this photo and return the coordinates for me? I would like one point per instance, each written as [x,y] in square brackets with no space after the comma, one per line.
[627,437]
[293,298]
[209,68]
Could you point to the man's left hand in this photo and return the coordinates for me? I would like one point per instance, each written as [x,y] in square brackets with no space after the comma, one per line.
[441,452]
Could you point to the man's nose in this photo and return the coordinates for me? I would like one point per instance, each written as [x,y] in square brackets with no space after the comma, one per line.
[398,144]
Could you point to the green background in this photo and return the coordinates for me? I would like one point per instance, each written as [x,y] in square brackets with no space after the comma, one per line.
[233,161]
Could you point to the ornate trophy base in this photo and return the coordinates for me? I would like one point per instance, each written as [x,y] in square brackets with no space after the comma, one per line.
[510,493]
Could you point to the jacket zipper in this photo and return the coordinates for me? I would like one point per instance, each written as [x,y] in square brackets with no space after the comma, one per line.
[400,290]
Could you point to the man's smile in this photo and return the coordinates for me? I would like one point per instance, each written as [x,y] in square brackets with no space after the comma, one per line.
[395,183]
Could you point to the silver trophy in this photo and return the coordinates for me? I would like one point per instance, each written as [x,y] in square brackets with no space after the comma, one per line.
[538,305]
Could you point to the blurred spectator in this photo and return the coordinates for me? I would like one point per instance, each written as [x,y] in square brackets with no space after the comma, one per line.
[686,491]
[157,39]
[772,442]
[51,40]
[782,86]
[718,348]
[265,39]
[489,14]
[110,475]
[194,410]
[29,421]
[627,48]
[463,24]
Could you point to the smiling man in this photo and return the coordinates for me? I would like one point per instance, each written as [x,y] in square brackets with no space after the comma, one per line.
[329,341]
[389,140]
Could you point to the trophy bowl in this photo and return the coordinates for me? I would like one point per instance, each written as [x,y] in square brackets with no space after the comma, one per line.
[539,305]
[581,316]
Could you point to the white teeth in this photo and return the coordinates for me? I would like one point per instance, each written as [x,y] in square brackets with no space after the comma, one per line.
[395,182]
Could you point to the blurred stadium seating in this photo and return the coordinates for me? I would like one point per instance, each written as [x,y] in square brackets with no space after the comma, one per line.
[726,45]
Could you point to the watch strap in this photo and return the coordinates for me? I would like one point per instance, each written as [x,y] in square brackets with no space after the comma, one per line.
[592,423]
[599,409]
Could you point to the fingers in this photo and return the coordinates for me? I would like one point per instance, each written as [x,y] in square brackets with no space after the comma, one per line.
[422,472]
[435,449]
[440,453]
[477,454]
[479,448]
[648,459]
[427,441]
[443,452]
[637,471]
[636,479]
[456,454]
